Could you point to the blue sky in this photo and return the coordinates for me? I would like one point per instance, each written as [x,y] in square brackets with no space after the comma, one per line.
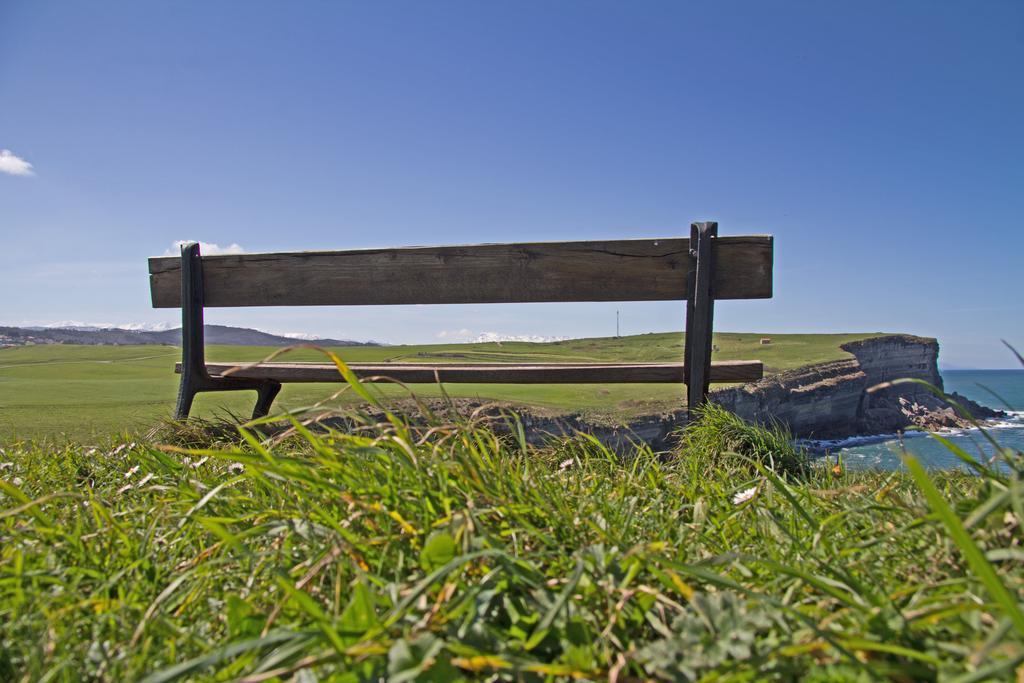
[881,143]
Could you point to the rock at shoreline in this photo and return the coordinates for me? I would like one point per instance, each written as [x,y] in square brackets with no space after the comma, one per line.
[934,416]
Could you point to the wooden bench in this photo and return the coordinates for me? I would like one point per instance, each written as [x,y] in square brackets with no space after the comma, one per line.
[697,270]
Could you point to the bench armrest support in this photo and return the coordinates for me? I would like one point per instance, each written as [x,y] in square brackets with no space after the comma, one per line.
[194,376]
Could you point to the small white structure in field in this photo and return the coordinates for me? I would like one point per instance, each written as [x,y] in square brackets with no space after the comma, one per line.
[765,341]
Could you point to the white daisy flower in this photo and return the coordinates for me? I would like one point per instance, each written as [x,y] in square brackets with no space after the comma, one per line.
[744,496]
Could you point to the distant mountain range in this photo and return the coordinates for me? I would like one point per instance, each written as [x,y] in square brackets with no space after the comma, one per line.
[215,334]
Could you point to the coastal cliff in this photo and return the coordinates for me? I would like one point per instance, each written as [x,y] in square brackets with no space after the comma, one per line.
[822,401]
[832,400]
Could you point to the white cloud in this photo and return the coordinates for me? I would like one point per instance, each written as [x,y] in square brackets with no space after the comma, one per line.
[497,337]
[465,335]
[205,248]
[458,335]
[15,165]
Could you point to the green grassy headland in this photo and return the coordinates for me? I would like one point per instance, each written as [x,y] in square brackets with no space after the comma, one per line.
[82,392]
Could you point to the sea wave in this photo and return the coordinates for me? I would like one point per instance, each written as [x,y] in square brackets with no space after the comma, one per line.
[1014,420]
[822,445]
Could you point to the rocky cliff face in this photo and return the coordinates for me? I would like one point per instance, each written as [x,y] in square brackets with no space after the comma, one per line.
[819,399]
[823,401]
[833,400]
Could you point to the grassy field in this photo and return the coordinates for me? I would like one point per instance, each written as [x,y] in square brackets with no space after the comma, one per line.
[456,554]
[85,392]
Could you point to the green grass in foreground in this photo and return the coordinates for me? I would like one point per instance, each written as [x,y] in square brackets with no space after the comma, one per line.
[380,552]
[84,392]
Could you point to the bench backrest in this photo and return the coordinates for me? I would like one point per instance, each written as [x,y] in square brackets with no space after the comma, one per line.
[612,270]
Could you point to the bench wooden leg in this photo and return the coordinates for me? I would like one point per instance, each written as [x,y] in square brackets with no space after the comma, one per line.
[266,392]
[265,397]
[194,377]
[700,308]
[186,395]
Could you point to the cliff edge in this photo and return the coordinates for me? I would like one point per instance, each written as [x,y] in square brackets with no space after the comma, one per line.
[821,401]
[831,400]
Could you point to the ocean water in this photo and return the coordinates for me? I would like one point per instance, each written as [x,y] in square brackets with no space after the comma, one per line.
[1000,389]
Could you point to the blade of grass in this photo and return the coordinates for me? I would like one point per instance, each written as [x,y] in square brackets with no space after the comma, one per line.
[975,559]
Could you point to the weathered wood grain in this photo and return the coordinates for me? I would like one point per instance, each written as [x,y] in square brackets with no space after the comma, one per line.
[490,373]
[617,270]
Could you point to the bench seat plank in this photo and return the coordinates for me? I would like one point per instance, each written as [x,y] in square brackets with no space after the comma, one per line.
[491,373]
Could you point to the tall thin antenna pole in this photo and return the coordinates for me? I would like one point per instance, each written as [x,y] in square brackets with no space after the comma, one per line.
[617,324]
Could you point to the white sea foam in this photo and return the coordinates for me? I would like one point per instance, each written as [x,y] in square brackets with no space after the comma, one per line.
[1006,424]
[1014,420]
[820,445]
